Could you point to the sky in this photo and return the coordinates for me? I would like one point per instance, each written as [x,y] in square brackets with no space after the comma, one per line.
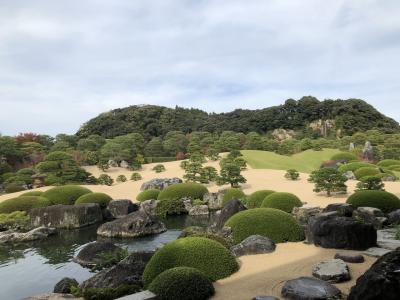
[63,62]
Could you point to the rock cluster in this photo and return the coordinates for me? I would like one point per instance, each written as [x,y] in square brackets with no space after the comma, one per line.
[159,183]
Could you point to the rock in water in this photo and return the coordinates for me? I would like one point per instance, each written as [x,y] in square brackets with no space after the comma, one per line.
[122,207]
[254,244]
[350,257]
[381,281]
[309,288]
[64,285]
[333,270]
[33,235]
[149,206]
[230,208]
[135,224]
[90,255]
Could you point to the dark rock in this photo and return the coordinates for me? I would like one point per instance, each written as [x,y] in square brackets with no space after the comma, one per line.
[90,255]
[304,213]
[122,207]
[343,209]
[370,215]
[381,281]
[265,298]
[159,183]
[350,257]
[64,285]
[394,217]
[333,270]
[135,224]
[39,233]
[128,271]
[149,207]
[330,231]
[254,244]
[309,288]
[66,216]
[230,208]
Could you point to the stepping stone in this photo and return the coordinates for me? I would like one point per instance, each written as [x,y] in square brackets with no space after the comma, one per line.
[333,270]
[309,288]
[376,252]
[265,298]
[350,257]
[254,244]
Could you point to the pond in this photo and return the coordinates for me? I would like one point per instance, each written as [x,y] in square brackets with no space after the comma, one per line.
[28,269]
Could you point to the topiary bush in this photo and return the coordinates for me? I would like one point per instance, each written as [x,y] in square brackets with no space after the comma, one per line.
[283,201]
[292,174]
[347,156]
[66,194]
[196,231]
[269,222]
[32,193]
[182,283]
[121,178]
[159,168]
[208,256]
[136,176]
[233,193]
[366,171]
[394,168]
[105,179]
[181,190]
[25,203]
[148,195]
[385,201]
[388,162]
[14,187]
[255,199]
[100,198]
[353,166]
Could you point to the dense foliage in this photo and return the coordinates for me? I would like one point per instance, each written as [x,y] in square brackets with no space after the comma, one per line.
[366,171]
[233,193]
[345,156]
[24,203]
[14,220]
[292,174]
[370,183]
[328,180]
[255,199]
[282,201]
[353,166]
[100,198]
[181,190]
[148,195]
[66,195]
[385,201]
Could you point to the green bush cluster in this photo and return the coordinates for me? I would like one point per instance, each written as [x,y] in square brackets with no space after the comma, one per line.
[14,220]
[385,201]
[32,193]
[66,194]
[148,195]
[282,201]
[269,222]
[121,178]
[347,156]
[182,283]
[136,176]
[181,190]
[388,162]
[353,166]
[105,179]
[100,198]
[14,187]
[172,206]
[233,193]
[366,171]
[292,174]
[24,203]
[255,199]
[208,256]
[159,168]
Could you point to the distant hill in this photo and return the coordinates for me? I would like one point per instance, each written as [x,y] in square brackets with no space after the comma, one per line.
[349,116]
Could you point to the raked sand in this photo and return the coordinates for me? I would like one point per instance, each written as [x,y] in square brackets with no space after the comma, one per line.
[259,274]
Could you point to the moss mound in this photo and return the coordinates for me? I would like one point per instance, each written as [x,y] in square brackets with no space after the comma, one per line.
[99,198]
[394,168]
[255,199]
[282,201]
[181,190]
[385,201]
[182,283]
[32,193]
[206,255]
[353,166]
[233,193]
[388,162]
[148,195]
[269,222]
[23,203]
[347,156]
[366,171]
[66,194]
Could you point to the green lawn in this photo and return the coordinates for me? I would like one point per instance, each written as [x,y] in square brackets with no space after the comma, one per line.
[306,161]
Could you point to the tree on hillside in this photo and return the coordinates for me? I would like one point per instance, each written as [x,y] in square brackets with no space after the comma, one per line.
[154,148]
[329,180]
[174,142]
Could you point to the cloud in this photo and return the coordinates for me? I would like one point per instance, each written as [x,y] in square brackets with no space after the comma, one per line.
[63,62]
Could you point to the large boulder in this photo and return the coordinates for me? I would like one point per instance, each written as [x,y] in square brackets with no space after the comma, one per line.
[393,217]
[121,207]
[254,244]
[159,183]
[128,271]
[381,281]
[309,288]
[214,200]
[135,224]
[64,285]
[370,215]
[331,231]
[230,208]
[199,210]
[91,254]
[343,209]
[149,207]
[39,233]
[304,213]
[66,216]
[333,270]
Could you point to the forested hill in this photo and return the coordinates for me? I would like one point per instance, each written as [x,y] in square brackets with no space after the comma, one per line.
[350,115]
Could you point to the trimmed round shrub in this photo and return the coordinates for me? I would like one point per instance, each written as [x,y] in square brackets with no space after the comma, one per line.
[388,162]
[208,256]
[196,231]
[347,156]
[233,193]
[14,187]
[353,166]
[181,190]
[32,193]
[385,201]
[52,179]
[159,168]
[66,194]
[136,176]
[99,198]
[394,168]
[105,179]
[255,199]
[183,283]
[121,178]
[366,171]
[269,222]
[24,203]
[148,195]
[282,201]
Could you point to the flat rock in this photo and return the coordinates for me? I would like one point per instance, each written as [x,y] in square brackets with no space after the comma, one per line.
[386,239]
[254,244]
[90,255]
[144,295]
[309,288]
[199,210]
[53,296]
[64,285]
[376,252]
[350,257]
[122,207]
[333,270]
[39,233]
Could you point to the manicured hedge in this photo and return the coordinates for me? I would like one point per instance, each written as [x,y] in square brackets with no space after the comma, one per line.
[66,194]
[206,255]
[100,198]
[282,201]
[255,199]
[182,283]
[394,168]
[385,201]
[353,166]
[269,222]
[32,193]
[14,187]
[148,195]
[23,203]
[388,162]
[233,193]
[347,156]
[180,190]
[366,171]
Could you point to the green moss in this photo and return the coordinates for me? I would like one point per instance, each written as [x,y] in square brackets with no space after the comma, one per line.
[366,171]
[105,293]
[24,203]
[148,195]
[255,199]
[182,283]
[100,198]
[388,162]
[15,220]
[353,166]
[208,256]
[195,231]
[170,207]
[269,222]
[347,156]
[233,193]
[283,201]
[385,201]
[181,190]
[32,193]
[66,194]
